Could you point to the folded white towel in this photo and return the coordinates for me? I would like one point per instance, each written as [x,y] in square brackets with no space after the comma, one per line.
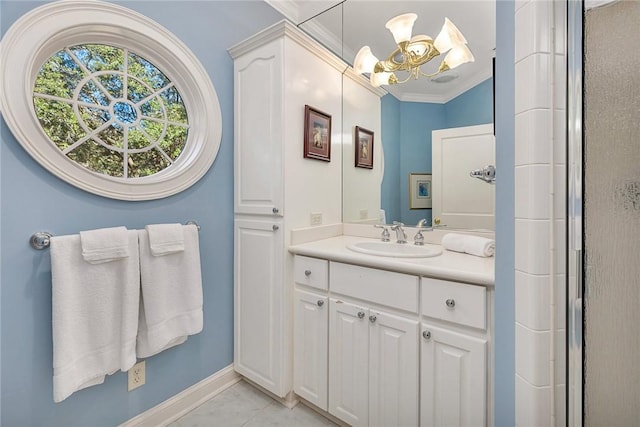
[165,239]
[104,244]
[95,315]
[171,303]
[473,245]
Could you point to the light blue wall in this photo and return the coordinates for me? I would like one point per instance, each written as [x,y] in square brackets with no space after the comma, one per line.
[406,131]
[504,368]
[417,120]
[474,107]
[33,199]
[390,109]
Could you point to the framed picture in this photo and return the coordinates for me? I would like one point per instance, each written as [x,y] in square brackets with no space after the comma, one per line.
[420,191]
[317,134]
[364,148]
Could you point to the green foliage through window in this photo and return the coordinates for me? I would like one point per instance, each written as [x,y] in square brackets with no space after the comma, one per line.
[110,110]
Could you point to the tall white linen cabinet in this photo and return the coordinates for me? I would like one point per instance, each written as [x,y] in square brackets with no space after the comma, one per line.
[277,72]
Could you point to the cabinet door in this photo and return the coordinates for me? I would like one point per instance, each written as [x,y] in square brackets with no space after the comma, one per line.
[258,131]
[348,362]
[453,379]
[393,359]
[310,357]
[259,302]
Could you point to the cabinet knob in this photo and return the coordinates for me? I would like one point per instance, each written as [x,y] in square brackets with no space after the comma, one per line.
[361,315]
[320,303]
[307,273]
[451,303]
[275,211]
[275,228]
[426,334]
[372,319]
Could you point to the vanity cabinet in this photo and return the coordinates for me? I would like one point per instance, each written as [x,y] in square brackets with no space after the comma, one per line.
[311,321]
[373,352]
[373,366]
[453,361]
[392,349]
[453,378]
[310,330]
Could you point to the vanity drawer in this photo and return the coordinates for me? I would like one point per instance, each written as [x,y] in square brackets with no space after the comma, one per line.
[312,272]
[379,286]
[455,302]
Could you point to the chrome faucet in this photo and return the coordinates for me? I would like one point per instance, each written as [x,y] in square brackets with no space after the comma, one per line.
[385,232]
[418,239]
[401,236]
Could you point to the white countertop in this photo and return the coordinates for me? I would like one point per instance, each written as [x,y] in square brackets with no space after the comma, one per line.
[450,265]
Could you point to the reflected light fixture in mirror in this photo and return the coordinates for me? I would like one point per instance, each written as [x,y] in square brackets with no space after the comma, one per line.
[413,52]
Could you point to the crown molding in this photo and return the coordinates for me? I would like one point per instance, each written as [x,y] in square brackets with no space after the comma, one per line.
[288,8]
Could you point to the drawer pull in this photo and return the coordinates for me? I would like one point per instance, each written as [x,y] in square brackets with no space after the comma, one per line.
[275,228]
[275,211]
[372,319]
[361,315]
[307,273]
[320,303]
[451,303]
[426,335]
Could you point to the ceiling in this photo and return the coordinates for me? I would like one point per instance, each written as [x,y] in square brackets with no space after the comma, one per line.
[364,24]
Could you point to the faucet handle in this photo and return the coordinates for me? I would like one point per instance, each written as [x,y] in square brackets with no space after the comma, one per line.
[385,236]
[421,223]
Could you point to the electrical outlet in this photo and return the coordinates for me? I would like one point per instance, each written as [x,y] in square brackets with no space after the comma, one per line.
[316,218]
[137,376]
[364,214]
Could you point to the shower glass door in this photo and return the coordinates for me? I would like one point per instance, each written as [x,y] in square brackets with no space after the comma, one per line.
[610,220]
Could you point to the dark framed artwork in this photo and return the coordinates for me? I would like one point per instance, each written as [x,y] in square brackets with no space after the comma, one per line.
[317,134]
[364,148]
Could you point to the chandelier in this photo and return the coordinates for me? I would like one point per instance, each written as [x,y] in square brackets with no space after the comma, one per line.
[413,52]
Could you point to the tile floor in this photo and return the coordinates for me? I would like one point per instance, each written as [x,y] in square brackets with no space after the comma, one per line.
[243,405]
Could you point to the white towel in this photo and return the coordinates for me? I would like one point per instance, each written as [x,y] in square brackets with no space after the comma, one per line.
[473,245]
[165,239]
[171,303]
[104,244]
[95,315]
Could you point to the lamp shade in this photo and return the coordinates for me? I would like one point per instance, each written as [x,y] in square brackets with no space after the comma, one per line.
[378,79]
[449,37]
[458,55]
[401,27]
[364,61]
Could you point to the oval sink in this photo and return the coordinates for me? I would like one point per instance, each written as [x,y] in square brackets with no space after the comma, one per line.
[405,250]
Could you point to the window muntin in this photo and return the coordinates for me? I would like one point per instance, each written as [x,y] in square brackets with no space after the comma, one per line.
[110,110]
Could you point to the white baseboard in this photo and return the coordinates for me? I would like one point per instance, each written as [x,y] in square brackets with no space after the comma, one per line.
[185,401]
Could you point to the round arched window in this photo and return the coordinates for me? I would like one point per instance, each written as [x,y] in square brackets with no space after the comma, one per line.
[118,107]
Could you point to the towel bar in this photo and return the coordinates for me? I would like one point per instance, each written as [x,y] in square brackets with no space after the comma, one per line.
[42,239]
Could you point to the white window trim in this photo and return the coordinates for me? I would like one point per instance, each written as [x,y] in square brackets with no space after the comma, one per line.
[42,32]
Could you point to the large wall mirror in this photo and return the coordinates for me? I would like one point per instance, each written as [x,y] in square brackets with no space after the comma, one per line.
[410,111]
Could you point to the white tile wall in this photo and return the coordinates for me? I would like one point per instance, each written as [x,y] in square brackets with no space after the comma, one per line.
[534,137]
[532,246]
[533,191]
[533,82]
[533,301]
[532,404]
[540,158]
[532,355]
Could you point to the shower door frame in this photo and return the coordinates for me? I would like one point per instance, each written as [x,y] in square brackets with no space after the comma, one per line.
[575,235]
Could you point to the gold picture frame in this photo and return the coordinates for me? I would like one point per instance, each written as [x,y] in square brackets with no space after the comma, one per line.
[420,190]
